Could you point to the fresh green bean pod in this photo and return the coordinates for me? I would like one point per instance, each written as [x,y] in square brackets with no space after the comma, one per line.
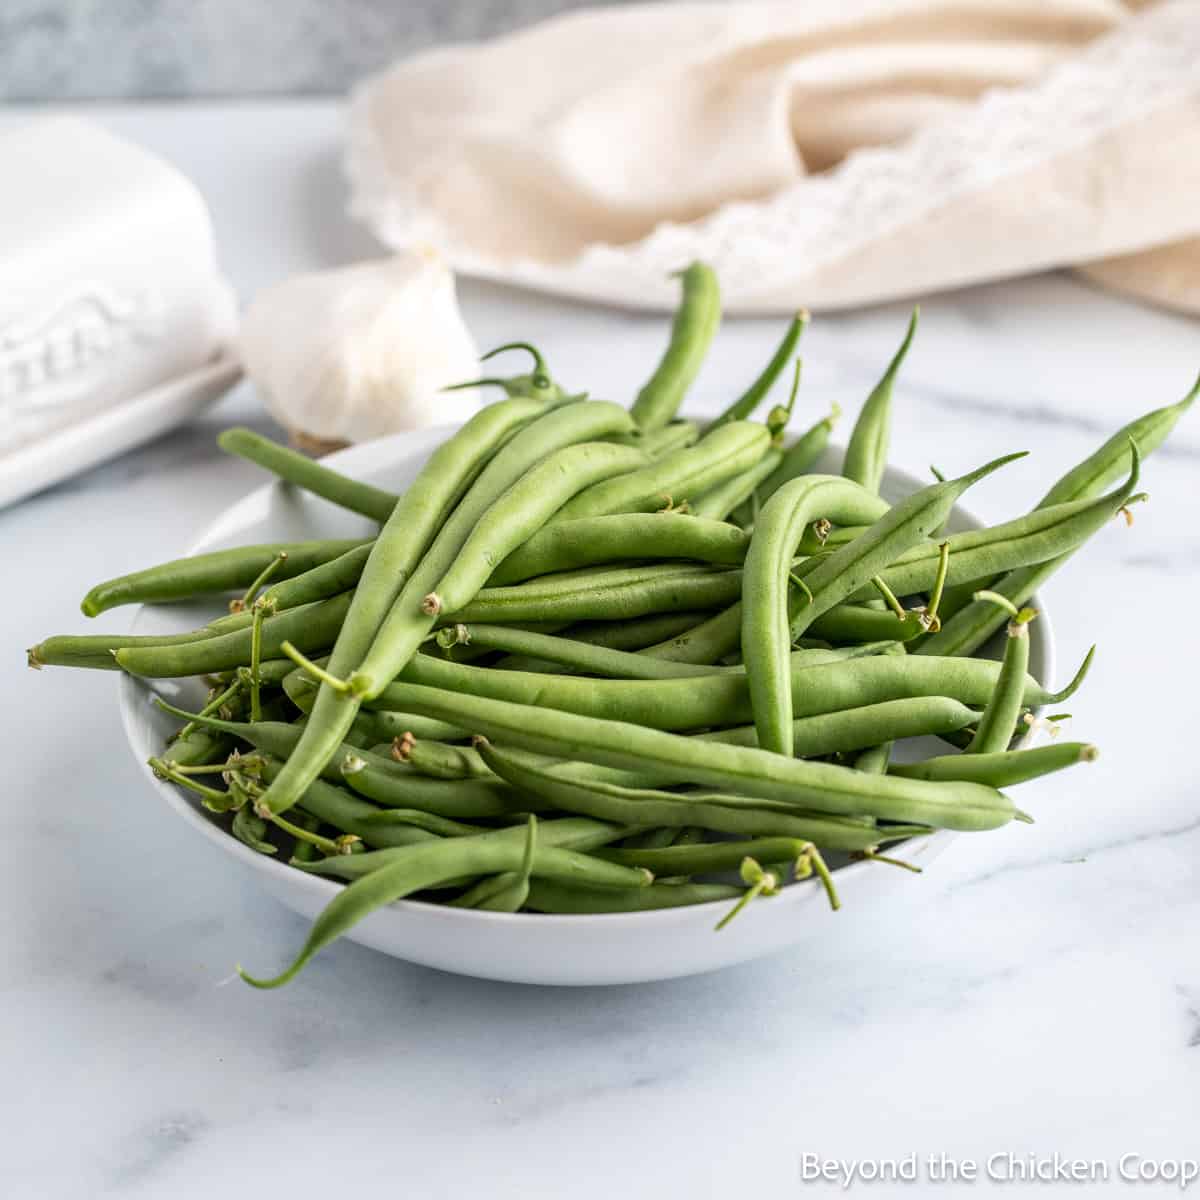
[744,406]
[587,541]
[523,510]
[840,574]
[98,651]
[722,813]
[212,573]
[417,868]
[692,331]
[581,657]
[1003,709]
[675,478]
[311,628]
[867,450]
[971,626]
[394,785]
[438,760]
[1005,768]
[765,635]
[546,896]
[618,594]
[707,858]
[838,791]
[722,698]
[300,470]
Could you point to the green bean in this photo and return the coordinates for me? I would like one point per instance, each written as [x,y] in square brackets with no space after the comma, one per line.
[586,541]
[721,698]
[211,573]
[98,651]
[1003,708]
[591,660]
[970,627]
[621,593]
[510,891]
[692,331]
[722,813]
[429,822]
[1004,768]
[840,574]
[675,478]
[797,459]
[753,396]
[370,651]
[521,511]
[395,786]
[417,868]
[765,636]
[867,450]
[300,470]
[722,500]
[548,897]
[708,858]
[616,635]
[744,770]
[313,627]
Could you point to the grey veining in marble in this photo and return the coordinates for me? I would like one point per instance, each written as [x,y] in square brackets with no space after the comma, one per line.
[1037,991]
[85,49]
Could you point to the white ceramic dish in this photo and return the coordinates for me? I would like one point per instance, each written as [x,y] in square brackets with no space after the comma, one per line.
[522,948]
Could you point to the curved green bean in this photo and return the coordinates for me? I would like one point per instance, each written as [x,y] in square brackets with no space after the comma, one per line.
[300,470]
[754,395]
[675,478]
[692,331]
[587,541]
[867,450]
[417,868]
[1005,768]
[212,573]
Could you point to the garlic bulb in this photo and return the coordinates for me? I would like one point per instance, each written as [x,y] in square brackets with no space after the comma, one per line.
[355,353]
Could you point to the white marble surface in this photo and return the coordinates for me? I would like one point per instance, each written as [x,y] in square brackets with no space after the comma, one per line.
[1039,991]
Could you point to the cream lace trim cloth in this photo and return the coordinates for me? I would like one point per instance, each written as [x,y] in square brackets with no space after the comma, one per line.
[821,154]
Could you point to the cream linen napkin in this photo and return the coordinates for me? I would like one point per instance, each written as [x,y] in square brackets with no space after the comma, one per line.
[823,154]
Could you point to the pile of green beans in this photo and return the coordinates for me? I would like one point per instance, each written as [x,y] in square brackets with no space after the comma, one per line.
[602,659]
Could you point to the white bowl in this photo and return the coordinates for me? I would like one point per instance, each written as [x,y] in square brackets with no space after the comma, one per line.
[523,947]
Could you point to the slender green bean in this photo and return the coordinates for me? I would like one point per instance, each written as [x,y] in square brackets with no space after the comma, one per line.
[586,541]
[211,573]
[867,450]
[675,478]
[1005,768]
[744,770]
[1003,709]
[722,813]
[417,868]
[754,395]
[798,458]
[692,331]
[547,896]
[300,470]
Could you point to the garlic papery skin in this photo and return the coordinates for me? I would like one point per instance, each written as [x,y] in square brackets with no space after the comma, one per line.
[362,351]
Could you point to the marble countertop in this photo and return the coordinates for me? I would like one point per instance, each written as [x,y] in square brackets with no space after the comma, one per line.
[1038,991]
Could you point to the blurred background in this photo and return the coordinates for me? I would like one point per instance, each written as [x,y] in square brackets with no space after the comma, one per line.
[153,49]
